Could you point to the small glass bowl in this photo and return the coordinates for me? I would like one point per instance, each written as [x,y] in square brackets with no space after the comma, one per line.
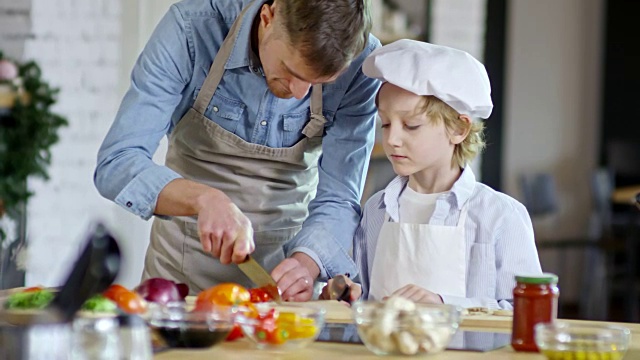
[179,325]
[561,340]
[401,328]
[281,327]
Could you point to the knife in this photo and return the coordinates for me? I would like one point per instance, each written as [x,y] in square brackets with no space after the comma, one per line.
[259,276]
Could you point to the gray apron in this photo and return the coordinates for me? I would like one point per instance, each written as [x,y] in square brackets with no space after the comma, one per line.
[272,187]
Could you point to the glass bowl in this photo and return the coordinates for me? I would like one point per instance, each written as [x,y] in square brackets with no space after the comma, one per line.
[179,325]
[401,327]
[281,327]
[561,340]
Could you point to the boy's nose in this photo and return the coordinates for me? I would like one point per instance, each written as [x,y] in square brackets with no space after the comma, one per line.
[393,136]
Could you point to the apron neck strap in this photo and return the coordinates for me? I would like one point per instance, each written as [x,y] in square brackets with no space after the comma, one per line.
[217,67]
[315,126]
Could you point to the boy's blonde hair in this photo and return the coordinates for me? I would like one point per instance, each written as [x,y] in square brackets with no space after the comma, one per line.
[472,145]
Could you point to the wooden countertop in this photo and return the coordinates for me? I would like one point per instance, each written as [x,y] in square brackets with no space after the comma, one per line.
[243,349]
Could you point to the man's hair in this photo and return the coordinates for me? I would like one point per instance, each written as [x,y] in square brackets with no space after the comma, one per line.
[472,145]
[328,33]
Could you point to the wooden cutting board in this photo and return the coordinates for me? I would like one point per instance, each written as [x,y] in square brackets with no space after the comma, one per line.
[339,313]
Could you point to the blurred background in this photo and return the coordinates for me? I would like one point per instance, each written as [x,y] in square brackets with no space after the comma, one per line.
[563,137]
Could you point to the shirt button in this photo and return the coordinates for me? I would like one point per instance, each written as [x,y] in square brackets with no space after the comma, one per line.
[263,122]
[215,109]
[254,69]
[129,204]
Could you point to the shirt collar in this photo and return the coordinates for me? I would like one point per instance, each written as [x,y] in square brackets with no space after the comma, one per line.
[460,192]
[242,54]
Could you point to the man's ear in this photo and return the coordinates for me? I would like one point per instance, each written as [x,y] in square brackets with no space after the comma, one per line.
[462,132]
[267,13]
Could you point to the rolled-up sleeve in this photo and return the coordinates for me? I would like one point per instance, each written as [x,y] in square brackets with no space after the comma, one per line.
[327,234]
[125,171]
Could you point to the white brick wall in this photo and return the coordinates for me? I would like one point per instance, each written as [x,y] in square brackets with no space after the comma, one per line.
[77,44]
[459,24]
[15,26]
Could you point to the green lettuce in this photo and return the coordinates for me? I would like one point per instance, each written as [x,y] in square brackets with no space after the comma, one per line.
[29,300]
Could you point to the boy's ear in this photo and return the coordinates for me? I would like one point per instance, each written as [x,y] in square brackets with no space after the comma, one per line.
[461,132]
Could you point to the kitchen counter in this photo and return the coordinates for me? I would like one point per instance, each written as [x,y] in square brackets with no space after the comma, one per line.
[243,349]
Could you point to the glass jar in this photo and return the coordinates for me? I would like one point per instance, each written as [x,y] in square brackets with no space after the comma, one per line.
[535,300]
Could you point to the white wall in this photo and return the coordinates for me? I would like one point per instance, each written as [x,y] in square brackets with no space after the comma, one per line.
[15,27]
[76,43]
[87,48]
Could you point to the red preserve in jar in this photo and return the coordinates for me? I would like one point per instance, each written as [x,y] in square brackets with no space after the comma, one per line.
[535,300]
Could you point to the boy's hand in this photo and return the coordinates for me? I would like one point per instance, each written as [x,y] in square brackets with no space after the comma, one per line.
[417,294]
[355,290]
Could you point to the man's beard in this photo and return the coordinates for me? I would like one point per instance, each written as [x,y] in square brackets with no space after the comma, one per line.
[278,89]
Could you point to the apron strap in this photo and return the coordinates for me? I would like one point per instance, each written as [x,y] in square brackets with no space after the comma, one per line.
[217,67]
[315,126]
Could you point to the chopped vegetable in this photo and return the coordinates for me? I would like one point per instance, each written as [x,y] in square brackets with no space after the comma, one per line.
[99,303]
[236,333]
[259,295]
[32,299]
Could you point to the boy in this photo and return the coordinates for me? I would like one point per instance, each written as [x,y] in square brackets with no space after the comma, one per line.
[434,234]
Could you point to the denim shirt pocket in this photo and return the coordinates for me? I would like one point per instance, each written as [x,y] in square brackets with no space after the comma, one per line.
[482,269]
[293,125]
[225,112]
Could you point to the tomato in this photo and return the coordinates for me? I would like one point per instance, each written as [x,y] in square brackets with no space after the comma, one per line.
[223,294]
[259,295]
[130,302]
[127,300]
[113,290]
[235,334]
[33,289]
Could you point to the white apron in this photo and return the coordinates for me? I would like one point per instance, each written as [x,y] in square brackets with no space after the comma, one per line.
[433,257]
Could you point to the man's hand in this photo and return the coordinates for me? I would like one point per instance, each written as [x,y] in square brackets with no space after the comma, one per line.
[295,277]
[417,294]
[224,230]
[355,291]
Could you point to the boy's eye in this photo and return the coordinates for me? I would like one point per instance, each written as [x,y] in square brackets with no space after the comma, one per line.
[383,125]
[411,127]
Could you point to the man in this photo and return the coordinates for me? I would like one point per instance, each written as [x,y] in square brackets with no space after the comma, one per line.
[257,163]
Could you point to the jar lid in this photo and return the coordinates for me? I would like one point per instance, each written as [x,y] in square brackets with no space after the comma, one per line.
[544,278]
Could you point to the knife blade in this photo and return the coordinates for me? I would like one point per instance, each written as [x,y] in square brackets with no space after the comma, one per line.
[259,276]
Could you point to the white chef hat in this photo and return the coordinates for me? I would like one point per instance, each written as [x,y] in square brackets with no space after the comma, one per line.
[451,75]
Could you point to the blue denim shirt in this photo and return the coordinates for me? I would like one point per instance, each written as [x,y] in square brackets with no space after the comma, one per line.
[164,83]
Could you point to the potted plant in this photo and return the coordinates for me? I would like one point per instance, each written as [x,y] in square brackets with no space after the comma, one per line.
[28,129]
